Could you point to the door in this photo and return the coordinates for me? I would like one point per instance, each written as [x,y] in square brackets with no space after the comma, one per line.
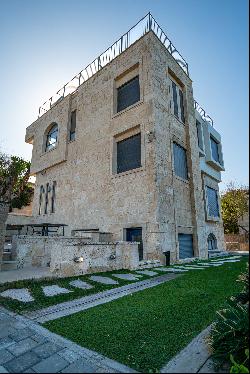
[135,235]
[185,246]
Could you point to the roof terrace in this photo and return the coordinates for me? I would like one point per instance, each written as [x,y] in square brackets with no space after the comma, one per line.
[142,27]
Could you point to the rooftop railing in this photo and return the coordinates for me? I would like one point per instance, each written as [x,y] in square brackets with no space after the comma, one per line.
[146,24]
[203,114]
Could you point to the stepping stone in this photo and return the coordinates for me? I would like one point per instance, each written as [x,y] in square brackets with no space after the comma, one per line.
[80,284]
[20,294]
[54,290]
[171,269]
[147,272]
[190,268]
[129,277]
[103,280]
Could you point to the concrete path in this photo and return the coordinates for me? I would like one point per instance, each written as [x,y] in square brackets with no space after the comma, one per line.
[26,347]
[27,273]
[194,358]
[86,302]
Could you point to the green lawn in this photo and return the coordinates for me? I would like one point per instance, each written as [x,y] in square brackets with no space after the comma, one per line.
[146,329]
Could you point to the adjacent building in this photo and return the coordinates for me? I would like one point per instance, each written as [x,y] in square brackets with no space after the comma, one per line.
[125,149]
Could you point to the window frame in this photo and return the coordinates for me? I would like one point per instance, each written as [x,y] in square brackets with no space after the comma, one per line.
[178,100]
[53,128]
[214,141]
[209,216]
[117,151]
[175,143]
[136,77]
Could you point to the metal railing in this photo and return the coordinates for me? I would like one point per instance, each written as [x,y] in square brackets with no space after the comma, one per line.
[203,114]
[146,24]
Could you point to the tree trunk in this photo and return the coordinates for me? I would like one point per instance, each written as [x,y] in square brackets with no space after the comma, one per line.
[4,210]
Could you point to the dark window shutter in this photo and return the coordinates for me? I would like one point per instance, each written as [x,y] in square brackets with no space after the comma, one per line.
[180,161]
[175,99]
[215,150]
[128,94]
[182,106]
[129,153]
[212,202]
[199,135]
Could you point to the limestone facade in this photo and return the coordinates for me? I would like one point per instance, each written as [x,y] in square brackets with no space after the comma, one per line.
[89,193]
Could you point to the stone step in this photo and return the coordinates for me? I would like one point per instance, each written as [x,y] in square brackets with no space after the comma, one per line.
[9,265]
[217,253]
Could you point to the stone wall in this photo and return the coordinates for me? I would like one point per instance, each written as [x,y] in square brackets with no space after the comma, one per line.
[60,254]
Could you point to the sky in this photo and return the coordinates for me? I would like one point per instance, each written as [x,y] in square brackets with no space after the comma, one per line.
[44,43]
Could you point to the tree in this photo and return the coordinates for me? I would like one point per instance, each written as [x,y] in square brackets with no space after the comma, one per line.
[15,189]
[234,203]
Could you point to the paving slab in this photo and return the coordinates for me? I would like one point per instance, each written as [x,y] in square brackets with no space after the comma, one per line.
[47,349]
[22,363]
[69,355]
[103,280]
[81,284]
[52,364]
[5,356]
[128,276]
[20,294]
[6,342]
[21,334]
[190,268]
[147,272]
[23,346]
[3,370]
[54,290]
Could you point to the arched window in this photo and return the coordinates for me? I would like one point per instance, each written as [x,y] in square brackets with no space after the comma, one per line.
[51,138]
[212,242]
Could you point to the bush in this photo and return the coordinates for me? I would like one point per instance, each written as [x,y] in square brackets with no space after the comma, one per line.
[230,333]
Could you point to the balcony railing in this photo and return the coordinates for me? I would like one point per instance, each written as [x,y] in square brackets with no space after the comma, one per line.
[203,114]
[146,24]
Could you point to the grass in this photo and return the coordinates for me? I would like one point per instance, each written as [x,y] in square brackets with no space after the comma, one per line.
[146,329]
[42,301]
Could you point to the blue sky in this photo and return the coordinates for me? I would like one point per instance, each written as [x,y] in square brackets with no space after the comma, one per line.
[45,43]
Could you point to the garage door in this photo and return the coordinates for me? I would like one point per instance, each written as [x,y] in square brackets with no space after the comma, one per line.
[185,246]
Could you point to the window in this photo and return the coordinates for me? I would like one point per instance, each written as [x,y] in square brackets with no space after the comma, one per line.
[215,149]
[212,242]
[53,197]
[212,202]
[129,153]
[180,161]
[128,94]
[199,135]
[72,131]
[46,198]
[51,138]
[40,200]
[178,100]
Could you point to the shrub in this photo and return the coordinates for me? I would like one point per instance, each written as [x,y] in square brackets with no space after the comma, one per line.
[230,333]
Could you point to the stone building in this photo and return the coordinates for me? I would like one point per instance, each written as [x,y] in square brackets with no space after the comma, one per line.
[125,149]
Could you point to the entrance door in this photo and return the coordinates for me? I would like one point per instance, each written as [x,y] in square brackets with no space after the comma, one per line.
[135,235]
[185,246]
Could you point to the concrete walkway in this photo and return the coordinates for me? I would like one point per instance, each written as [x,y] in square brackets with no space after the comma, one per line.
[26,347]
[70,307]
[27,273]
[194,358]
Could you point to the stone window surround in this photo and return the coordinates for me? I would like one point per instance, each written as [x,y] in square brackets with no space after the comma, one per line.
[44,145]
[122,77]
[44,151]
[171,77]
[42,198]
[122,136]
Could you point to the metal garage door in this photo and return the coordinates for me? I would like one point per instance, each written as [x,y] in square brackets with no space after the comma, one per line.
[185,246]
